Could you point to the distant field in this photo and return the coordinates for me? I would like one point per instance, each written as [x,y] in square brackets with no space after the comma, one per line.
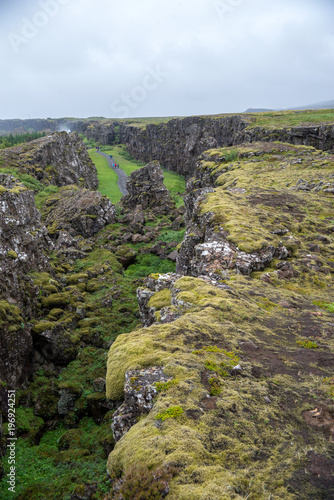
[174,182]
[280,119]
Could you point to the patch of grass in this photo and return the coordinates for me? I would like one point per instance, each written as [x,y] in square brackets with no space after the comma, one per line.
[147,264]
[328,306]
[280,119]
[41,195]
[27,180]
[107,177]
[174,182]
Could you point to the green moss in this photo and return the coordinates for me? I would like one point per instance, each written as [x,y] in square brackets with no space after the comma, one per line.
[77,278]
[11,254]
[172,412]
[27,423]
[10,316]
[55,300]
[161,299]
[42,326]
[164,386]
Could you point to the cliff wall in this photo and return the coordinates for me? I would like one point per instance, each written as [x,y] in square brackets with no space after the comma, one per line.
[178,143]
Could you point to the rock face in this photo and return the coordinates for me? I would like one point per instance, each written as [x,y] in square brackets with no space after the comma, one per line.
[177,143]
[23,245]
[80,212]
[23,238]
[146,188]
[60,159]
[105,133]
[139,392]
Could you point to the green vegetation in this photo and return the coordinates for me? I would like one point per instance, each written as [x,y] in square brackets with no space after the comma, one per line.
[58,465]
[27,180]
[172,412]
[280,119]
[10,140]
[308,344]
[328,306]
[164,386]
[107,177]
[141,483]
[147,264]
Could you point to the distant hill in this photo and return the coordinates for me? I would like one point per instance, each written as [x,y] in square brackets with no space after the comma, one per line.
[318,105]
[258,110]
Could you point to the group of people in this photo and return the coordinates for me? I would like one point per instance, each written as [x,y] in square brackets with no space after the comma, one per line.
[114,165]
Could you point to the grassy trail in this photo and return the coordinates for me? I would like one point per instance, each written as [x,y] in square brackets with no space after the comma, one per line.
[174,182]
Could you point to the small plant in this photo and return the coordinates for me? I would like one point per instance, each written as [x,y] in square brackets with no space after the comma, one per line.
[230,155]
[215,386]
[172,412]
[164,386]
[308,344]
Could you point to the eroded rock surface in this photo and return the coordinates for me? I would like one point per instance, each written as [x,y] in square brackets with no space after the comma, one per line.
[60,159]
[78,211]
[146,188]
[139,393]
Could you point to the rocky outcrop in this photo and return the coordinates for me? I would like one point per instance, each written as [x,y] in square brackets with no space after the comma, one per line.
[320,136]
[139,392]
[102,132]
[208,247]
[60,159]
[80,212]
[23,245]
[23,238]
[146,188]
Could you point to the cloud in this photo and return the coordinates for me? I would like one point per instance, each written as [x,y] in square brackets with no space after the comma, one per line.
[220,55]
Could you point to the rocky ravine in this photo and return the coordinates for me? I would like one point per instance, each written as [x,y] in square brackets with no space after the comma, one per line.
[231,379]
[225,390]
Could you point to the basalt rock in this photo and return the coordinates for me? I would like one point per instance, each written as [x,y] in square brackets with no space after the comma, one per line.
[77,211]
[178,142]
[60,159]
[146,188]
[23,238]
[139,393]
[23,245]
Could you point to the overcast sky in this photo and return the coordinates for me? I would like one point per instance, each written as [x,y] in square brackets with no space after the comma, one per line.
[129,58]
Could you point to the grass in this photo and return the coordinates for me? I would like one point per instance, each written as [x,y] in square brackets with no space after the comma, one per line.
[147,264]
[279,119]
[107,177]
[174,182]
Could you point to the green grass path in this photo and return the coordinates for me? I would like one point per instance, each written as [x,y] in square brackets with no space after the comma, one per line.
[174,182]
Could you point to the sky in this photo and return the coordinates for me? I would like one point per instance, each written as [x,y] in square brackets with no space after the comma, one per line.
[129,58]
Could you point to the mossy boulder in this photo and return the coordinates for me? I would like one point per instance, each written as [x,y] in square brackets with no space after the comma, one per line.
[55,300]
[125,255]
